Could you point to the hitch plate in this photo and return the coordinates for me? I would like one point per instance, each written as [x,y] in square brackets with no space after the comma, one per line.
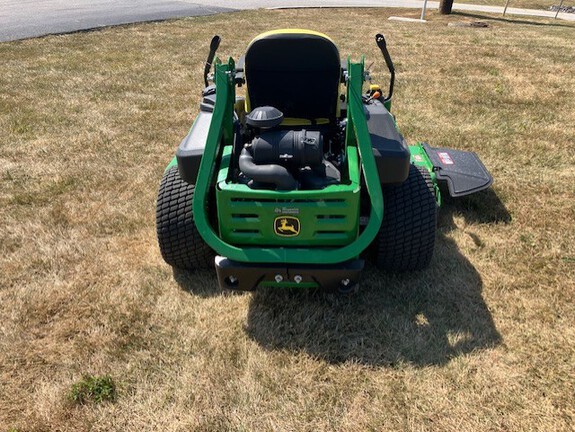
[248,276]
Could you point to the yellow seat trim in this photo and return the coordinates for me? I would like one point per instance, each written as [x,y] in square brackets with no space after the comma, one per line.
[289,121]
[290,31]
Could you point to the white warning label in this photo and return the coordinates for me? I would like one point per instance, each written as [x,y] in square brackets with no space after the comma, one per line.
[445,158]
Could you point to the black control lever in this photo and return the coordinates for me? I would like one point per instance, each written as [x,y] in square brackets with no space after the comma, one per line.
[214,44]
[380,40]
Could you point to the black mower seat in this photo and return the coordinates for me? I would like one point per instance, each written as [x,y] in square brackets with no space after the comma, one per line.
[295,71]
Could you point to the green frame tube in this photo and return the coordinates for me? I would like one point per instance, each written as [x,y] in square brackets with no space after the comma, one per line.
[221,133]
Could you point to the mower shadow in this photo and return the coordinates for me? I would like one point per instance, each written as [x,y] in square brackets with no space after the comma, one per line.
[425,318]
[484,207]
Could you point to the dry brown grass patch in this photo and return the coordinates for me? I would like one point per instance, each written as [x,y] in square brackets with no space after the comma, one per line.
[482,341]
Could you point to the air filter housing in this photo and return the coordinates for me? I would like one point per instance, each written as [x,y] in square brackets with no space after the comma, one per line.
[264,117]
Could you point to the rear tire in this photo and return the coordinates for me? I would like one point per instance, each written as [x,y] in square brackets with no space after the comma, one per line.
[180,242]
[407,235]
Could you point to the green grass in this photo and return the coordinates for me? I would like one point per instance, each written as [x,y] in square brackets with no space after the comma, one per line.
[482,341]
[93,389]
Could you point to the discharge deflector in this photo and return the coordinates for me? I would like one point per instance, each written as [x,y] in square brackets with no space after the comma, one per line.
[463,171]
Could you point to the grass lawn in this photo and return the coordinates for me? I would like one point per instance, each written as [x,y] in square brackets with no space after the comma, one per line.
[97,333]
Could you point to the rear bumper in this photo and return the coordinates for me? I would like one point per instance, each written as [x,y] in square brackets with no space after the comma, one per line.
[236,275]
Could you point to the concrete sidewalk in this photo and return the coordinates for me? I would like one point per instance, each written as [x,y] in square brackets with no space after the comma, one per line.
[22,19]
[415,4]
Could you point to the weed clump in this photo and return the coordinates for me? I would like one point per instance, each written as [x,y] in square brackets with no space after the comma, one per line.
[93,389]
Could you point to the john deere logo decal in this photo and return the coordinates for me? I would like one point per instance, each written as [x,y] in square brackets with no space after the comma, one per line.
[286,226]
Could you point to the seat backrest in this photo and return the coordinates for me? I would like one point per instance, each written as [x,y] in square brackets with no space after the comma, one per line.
[295,71]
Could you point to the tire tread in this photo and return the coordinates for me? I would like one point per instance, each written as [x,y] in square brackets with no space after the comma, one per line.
[407,235]
[178,237]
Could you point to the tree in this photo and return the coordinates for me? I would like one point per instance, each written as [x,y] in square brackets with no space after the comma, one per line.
[445,7]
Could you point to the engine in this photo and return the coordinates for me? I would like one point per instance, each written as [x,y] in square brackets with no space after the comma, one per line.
[284,159]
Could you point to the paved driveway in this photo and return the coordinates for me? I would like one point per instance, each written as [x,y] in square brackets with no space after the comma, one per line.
[21,19]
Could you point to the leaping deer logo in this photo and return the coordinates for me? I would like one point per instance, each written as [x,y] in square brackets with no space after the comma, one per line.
[287,228]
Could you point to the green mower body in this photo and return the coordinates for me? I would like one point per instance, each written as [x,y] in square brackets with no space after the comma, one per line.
[293,183]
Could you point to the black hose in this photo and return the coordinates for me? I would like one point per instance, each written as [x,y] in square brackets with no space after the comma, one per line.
[271,173]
